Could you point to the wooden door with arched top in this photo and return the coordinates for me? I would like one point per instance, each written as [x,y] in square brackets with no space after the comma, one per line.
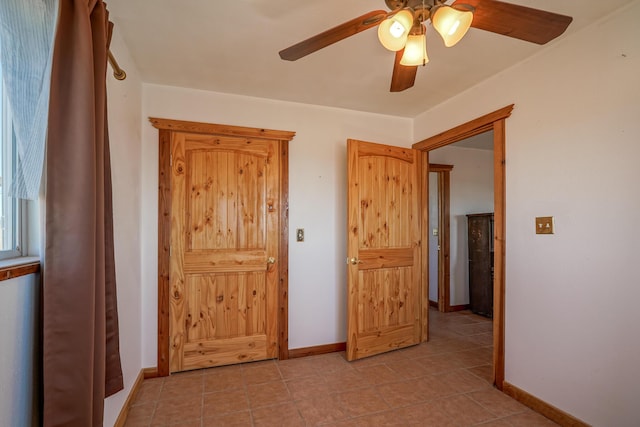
[384,275]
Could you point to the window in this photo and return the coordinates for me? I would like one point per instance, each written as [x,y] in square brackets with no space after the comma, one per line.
[10,208]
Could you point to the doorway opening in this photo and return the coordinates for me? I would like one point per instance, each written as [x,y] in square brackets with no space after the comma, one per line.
[495,122]
[456,197]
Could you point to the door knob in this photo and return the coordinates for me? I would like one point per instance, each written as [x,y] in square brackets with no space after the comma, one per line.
[354,261]
[271,260]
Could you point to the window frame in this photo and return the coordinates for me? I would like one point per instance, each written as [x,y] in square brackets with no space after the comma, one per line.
[17,208]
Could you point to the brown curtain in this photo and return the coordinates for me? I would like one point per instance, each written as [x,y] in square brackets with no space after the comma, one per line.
[81,360]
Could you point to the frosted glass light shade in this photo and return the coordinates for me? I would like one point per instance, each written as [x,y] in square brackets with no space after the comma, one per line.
[452,24]
[415,52]
[393,31]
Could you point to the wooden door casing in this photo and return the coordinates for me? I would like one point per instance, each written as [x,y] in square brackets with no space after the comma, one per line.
[384,296]
[495,121]
[444,221]
[225,283]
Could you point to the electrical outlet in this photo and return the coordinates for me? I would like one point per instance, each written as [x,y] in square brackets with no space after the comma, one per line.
[544,225]
[300,234]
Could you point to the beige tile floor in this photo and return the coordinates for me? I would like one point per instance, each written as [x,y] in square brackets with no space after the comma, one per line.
[440,383]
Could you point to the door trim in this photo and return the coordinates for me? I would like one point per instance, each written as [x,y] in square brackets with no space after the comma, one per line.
[165,128]
[444,225]
[493,121]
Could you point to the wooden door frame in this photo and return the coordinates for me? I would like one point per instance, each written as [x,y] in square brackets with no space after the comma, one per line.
[444,226]
[165,128]
[493,121]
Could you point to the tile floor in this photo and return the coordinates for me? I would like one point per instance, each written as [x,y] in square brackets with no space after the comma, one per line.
[440,383]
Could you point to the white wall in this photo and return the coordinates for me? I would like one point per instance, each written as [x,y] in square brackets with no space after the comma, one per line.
[471,191]
[572,152]
[20,352]
[124,108]
[317,198]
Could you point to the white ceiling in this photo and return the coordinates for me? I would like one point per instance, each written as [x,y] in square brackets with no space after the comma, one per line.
[232,47]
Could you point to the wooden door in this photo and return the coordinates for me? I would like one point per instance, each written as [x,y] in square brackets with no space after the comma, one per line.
[384,275]
[224,243]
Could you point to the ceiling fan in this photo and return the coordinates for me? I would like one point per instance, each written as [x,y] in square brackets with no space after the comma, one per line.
[403,29]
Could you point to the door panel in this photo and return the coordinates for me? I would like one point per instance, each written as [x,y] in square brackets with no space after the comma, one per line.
[384,283]
[224,230]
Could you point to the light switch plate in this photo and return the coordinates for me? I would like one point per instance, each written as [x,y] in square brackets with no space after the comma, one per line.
[544,225]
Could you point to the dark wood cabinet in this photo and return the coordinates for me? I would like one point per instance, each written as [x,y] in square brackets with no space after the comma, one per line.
[480,241]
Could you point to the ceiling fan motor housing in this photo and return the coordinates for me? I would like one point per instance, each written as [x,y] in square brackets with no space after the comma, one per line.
[413,4]
[421,9]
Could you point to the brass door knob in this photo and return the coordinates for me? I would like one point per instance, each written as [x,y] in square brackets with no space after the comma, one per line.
[354,261]
[271,260]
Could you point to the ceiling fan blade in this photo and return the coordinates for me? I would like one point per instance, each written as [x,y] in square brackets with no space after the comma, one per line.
[520,22]
[333,35]
[403,76]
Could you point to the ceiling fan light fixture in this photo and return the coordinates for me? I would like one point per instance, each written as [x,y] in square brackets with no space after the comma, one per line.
[451,23]
[415,51]
[393,31]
